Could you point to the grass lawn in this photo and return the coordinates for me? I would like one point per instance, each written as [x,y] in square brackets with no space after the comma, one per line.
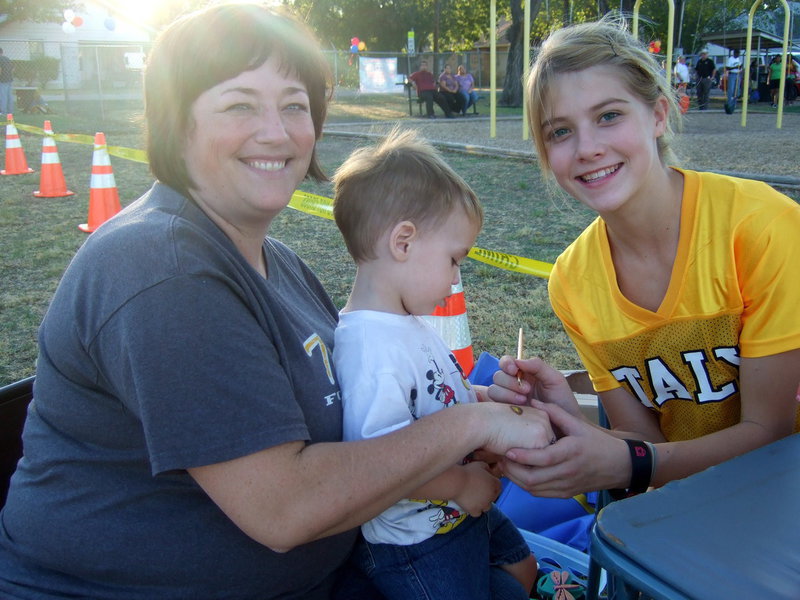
[40,236]
[524,216]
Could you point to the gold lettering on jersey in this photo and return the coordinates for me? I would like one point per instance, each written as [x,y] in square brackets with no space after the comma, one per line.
[314,341]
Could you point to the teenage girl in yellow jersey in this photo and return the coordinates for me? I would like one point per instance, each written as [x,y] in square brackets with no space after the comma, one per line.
[681,297]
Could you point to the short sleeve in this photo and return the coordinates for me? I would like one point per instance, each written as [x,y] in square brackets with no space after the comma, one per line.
[766,247]
[377,406]
[200,372]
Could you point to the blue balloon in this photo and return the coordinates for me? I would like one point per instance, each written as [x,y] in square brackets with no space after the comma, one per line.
[354,48]
[110,24]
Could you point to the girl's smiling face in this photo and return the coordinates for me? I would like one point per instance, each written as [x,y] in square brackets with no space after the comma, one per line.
[601,139]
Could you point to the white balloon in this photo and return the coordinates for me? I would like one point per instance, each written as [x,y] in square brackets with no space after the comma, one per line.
[69,14]
[68,27]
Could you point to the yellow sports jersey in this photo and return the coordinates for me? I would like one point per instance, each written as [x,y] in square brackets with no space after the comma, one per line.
[734,292]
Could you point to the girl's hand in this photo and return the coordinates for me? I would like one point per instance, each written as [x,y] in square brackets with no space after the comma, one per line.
[539,381]
[585,458]
[481,488]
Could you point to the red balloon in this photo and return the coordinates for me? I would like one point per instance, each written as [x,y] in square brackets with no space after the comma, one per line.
[77,21]
[354,41]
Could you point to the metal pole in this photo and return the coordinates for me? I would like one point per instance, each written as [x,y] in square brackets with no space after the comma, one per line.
[99,86]
[64,77]
[526,65]
[493,69]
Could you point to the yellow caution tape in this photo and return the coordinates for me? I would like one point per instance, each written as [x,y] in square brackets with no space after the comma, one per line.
[129,154]
[78,138]
[323,207]
[511,262]
[320,206]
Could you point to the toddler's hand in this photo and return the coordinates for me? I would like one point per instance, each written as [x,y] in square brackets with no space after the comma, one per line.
[480,489]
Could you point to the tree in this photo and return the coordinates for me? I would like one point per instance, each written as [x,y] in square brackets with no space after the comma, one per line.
[383,25]
[42,11]
[517,53]
[693,18]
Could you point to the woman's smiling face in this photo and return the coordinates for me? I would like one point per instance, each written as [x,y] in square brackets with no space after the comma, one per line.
[250,145]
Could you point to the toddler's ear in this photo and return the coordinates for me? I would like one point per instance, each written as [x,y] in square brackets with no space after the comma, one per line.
[400,239]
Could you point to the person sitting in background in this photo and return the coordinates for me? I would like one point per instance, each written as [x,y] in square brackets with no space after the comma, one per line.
[448,88]
[466,89]
[427,91]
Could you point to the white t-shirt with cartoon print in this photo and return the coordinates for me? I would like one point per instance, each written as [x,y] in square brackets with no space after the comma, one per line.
[393,369]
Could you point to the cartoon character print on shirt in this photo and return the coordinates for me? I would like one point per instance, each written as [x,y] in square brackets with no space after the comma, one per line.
[464,381]
[412,403]
[437,388]
[443,517]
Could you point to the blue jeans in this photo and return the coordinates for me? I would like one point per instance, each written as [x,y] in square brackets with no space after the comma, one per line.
[733,84]
[468,99]
[6,99]
[464,563]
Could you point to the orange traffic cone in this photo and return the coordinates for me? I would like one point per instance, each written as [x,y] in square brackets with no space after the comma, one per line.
[451,323]
[15,156]
[103,194]
[683,103]
[51,180]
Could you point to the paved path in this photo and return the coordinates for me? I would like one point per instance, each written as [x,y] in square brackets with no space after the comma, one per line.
[711,140]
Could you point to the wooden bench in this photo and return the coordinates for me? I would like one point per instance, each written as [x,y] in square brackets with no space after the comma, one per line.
[14,400]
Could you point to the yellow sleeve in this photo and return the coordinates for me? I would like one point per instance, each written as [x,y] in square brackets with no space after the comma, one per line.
[767,248]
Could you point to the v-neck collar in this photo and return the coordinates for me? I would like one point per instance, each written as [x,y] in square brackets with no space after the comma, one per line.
[686,242]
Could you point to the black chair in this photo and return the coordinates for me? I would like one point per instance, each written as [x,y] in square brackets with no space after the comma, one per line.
[14,400]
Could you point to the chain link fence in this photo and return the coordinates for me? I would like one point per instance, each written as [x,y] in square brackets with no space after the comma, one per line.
[81,76]
[73,72]
[344,65]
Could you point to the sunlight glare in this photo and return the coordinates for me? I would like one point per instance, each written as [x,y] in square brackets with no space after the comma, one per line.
[144,11]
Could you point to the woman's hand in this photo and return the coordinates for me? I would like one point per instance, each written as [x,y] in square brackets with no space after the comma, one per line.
[586,458]
[480,489]
[539,381]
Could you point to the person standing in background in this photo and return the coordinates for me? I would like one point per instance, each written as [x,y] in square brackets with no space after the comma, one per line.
[6,81]
[681,72]
[733,68]
[705,70]
[775,78]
